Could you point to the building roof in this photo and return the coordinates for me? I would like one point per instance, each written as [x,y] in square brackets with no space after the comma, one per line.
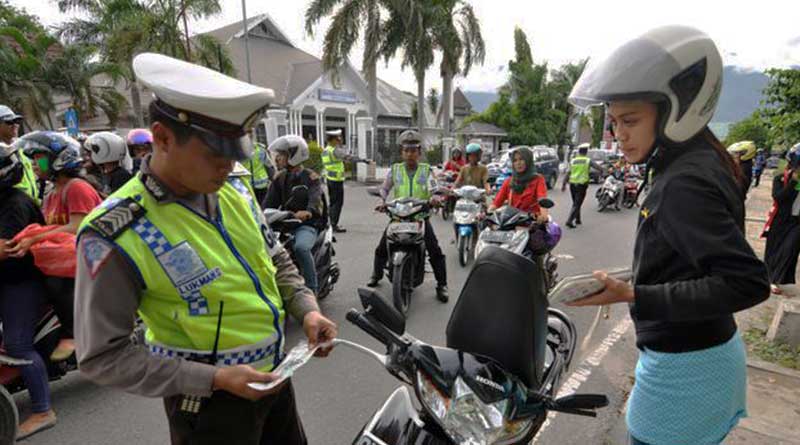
[481,129]
[461,105]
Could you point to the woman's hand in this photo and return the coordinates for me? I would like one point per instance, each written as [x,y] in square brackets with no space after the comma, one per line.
[542,217]
[616,291]
[20,248]
[491,209]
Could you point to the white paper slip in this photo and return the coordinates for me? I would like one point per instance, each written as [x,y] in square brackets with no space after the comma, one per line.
[295,359]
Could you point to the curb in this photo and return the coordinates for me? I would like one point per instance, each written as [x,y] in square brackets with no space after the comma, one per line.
[773,368]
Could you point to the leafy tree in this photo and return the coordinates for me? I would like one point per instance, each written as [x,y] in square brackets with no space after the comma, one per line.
[782,106]
[23,67]
[752,128]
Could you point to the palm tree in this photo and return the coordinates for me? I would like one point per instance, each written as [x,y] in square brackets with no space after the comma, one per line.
[23,63]
[344,32]
[433,101]
[457,34]
[562,82]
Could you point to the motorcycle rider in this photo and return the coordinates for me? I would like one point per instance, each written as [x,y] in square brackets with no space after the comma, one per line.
[456,161]
[9,130]
[290,152]
[411,178]
[579,177]
[474,173]
[110,154]
[694,267]
[22,292]
[524,188]
[140,144]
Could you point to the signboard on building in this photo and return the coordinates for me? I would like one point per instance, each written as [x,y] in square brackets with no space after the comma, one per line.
[71,119]
[338,96]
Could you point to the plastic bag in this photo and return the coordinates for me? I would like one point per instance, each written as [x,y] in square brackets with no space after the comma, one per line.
[55,255]
[295,359]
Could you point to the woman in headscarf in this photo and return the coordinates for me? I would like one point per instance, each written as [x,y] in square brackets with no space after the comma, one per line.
[524,188]
[783,226]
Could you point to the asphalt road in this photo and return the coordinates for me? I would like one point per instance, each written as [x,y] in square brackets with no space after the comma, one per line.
[338,395]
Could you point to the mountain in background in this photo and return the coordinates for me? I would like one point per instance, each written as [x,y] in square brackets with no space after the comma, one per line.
[741,95]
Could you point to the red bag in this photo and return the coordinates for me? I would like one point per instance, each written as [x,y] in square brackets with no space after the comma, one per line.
[55,255]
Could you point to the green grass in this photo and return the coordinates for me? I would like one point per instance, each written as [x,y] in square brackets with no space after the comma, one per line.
[773,352]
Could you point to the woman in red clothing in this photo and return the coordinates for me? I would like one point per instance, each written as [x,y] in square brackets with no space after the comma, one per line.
[58,159]
[524,188]
[456,161]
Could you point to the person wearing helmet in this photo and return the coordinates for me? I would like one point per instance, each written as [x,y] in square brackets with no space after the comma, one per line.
[782,229]
[9,130]
[411,178]
[298,189]
[743,154]
[579,178]
[474,173]
[759,163]
[22,293]
[693,266]
[186,246]
[110,154]
[140,144]
[456,161]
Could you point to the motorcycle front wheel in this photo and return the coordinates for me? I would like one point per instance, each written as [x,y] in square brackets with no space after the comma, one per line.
[402,284]
[464,249]
[9,418]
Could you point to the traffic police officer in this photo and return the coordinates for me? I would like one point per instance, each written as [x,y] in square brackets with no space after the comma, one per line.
[9,130]
[406,179]
[333,159]
[257,165]
[578,183]
[185,245]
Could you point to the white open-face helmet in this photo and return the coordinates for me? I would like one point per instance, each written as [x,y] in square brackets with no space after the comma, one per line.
[106,147]
[294,146]
[675,65]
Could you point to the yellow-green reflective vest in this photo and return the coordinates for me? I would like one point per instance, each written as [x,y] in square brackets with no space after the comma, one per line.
[188,264]
[28,183]
[579,170]
[334,168]
[256,165]
[416,187]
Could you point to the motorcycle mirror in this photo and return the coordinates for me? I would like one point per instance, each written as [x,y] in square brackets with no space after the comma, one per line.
[377,307]
[373,191]
[546,203]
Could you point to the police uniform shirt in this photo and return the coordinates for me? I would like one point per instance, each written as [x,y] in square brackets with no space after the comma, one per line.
[110,295]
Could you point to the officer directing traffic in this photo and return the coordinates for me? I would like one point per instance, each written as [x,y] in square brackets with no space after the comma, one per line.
[333,158]
[579,177]
[184,244]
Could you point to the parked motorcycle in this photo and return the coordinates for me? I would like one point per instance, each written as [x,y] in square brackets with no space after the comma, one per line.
[495,388]
[466,218]
[630,194]
[609,193]
[284,223]
[516,231]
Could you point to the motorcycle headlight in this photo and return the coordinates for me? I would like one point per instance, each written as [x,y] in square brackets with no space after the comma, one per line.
[518,241]
[466,418]
[406,210]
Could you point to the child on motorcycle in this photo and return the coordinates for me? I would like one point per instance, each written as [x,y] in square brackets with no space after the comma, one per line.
[524,188]
[22,293]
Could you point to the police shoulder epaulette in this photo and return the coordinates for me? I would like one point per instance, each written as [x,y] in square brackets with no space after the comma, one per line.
[239,170]
[117,218]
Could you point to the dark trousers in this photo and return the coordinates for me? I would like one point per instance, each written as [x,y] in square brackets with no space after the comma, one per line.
[336,194]
[757,177]
[228,419]
[61,294]
[261,196]
[435,256]
[578,192]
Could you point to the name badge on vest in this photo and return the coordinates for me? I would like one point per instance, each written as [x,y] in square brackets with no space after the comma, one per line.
[188,274]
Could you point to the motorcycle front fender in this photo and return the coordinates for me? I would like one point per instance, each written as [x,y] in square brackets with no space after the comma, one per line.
[465,229]
[398,256]
[398,423]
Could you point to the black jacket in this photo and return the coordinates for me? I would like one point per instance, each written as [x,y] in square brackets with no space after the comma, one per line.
[17,211]
[693,267]
[280,190]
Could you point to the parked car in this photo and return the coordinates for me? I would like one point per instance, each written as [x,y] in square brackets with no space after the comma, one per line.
[546,161]
[602,158]
[773,161]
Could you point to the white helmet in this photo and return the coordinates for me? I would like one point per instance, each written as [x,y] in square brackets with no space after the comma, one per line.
[295,146]
[106,147]
[677,65]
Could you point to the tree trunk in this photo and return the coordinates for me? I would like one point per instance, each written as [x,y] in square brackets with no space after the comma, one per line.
[372,86]
[447,99]
[136,102]
[186,32]
[420,75]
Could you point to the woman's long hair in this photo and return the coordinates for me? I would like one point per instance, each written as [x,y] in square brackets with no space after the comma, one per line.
[710,138]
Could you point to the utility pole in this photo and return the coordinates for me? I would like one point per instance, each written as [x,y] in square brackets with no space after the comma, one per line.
[246,43]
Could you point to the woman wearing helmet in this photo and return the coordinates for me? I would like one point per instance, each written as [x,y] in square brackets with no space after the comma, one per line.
[22,294]
[140,144]
[286,191]
[455,162]
[474,173]
[743,154]
[693,265]
[110,154]
[783,225]
[57,158]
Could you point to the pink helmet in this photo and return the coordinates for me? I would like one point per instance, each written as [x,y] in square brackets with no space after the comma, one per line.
[140,136]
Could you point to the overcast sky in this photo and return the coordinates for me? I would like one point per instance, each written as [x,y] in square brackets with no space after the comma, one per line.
[753,34]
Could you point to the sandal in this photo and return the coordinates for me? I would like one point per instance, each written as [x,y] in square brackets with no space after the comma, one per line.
[26,430]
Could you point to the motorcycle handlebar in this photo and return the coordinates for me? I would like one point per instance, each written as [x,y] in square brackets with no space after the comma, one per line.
[358,319]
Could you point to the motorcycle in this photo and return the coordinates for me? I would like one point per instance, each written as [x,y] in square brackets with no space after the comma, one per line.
[630,194]
[284,223]
[609,193]
[405,238]
[443,194]
[466,218]
[487,389]
[516,231]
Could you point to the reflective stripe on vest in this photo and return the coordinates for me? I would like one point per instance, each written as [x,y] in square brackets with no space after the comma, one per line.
[334,168]
[259,178]
[416,187]
[579,170]
[189,264]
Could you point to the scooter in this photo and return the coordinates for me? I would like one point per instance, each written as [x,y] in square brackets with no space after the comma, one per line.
[609,193]
[443,193]
[466,218]
[495,388]
[518,232]
[631,191]
[284,223]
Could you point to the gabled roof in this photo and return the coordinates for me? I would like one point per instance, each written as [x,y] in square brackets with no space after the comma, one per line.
[461,105]
[481,129]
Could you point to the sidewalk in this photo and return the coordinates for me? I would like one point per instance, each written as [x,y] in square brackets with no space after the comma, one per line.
[773,392]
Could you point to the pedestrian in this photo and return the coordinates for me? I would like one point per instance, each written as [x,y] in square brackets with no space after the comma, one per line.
[9,131]
[782,229]
[185,246]
[693,267]
[22,294]
[758,166]
[333,158]
[743,153]
[109,153]
[579,169]
[408,179]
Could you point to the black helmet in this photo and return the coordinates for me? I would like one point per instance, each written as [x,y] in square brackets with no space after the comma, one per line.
[10,167]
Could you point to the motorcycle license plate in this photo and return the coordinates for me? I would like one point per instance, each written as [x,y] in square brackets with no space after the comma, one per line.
[498,236]
[404,227]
